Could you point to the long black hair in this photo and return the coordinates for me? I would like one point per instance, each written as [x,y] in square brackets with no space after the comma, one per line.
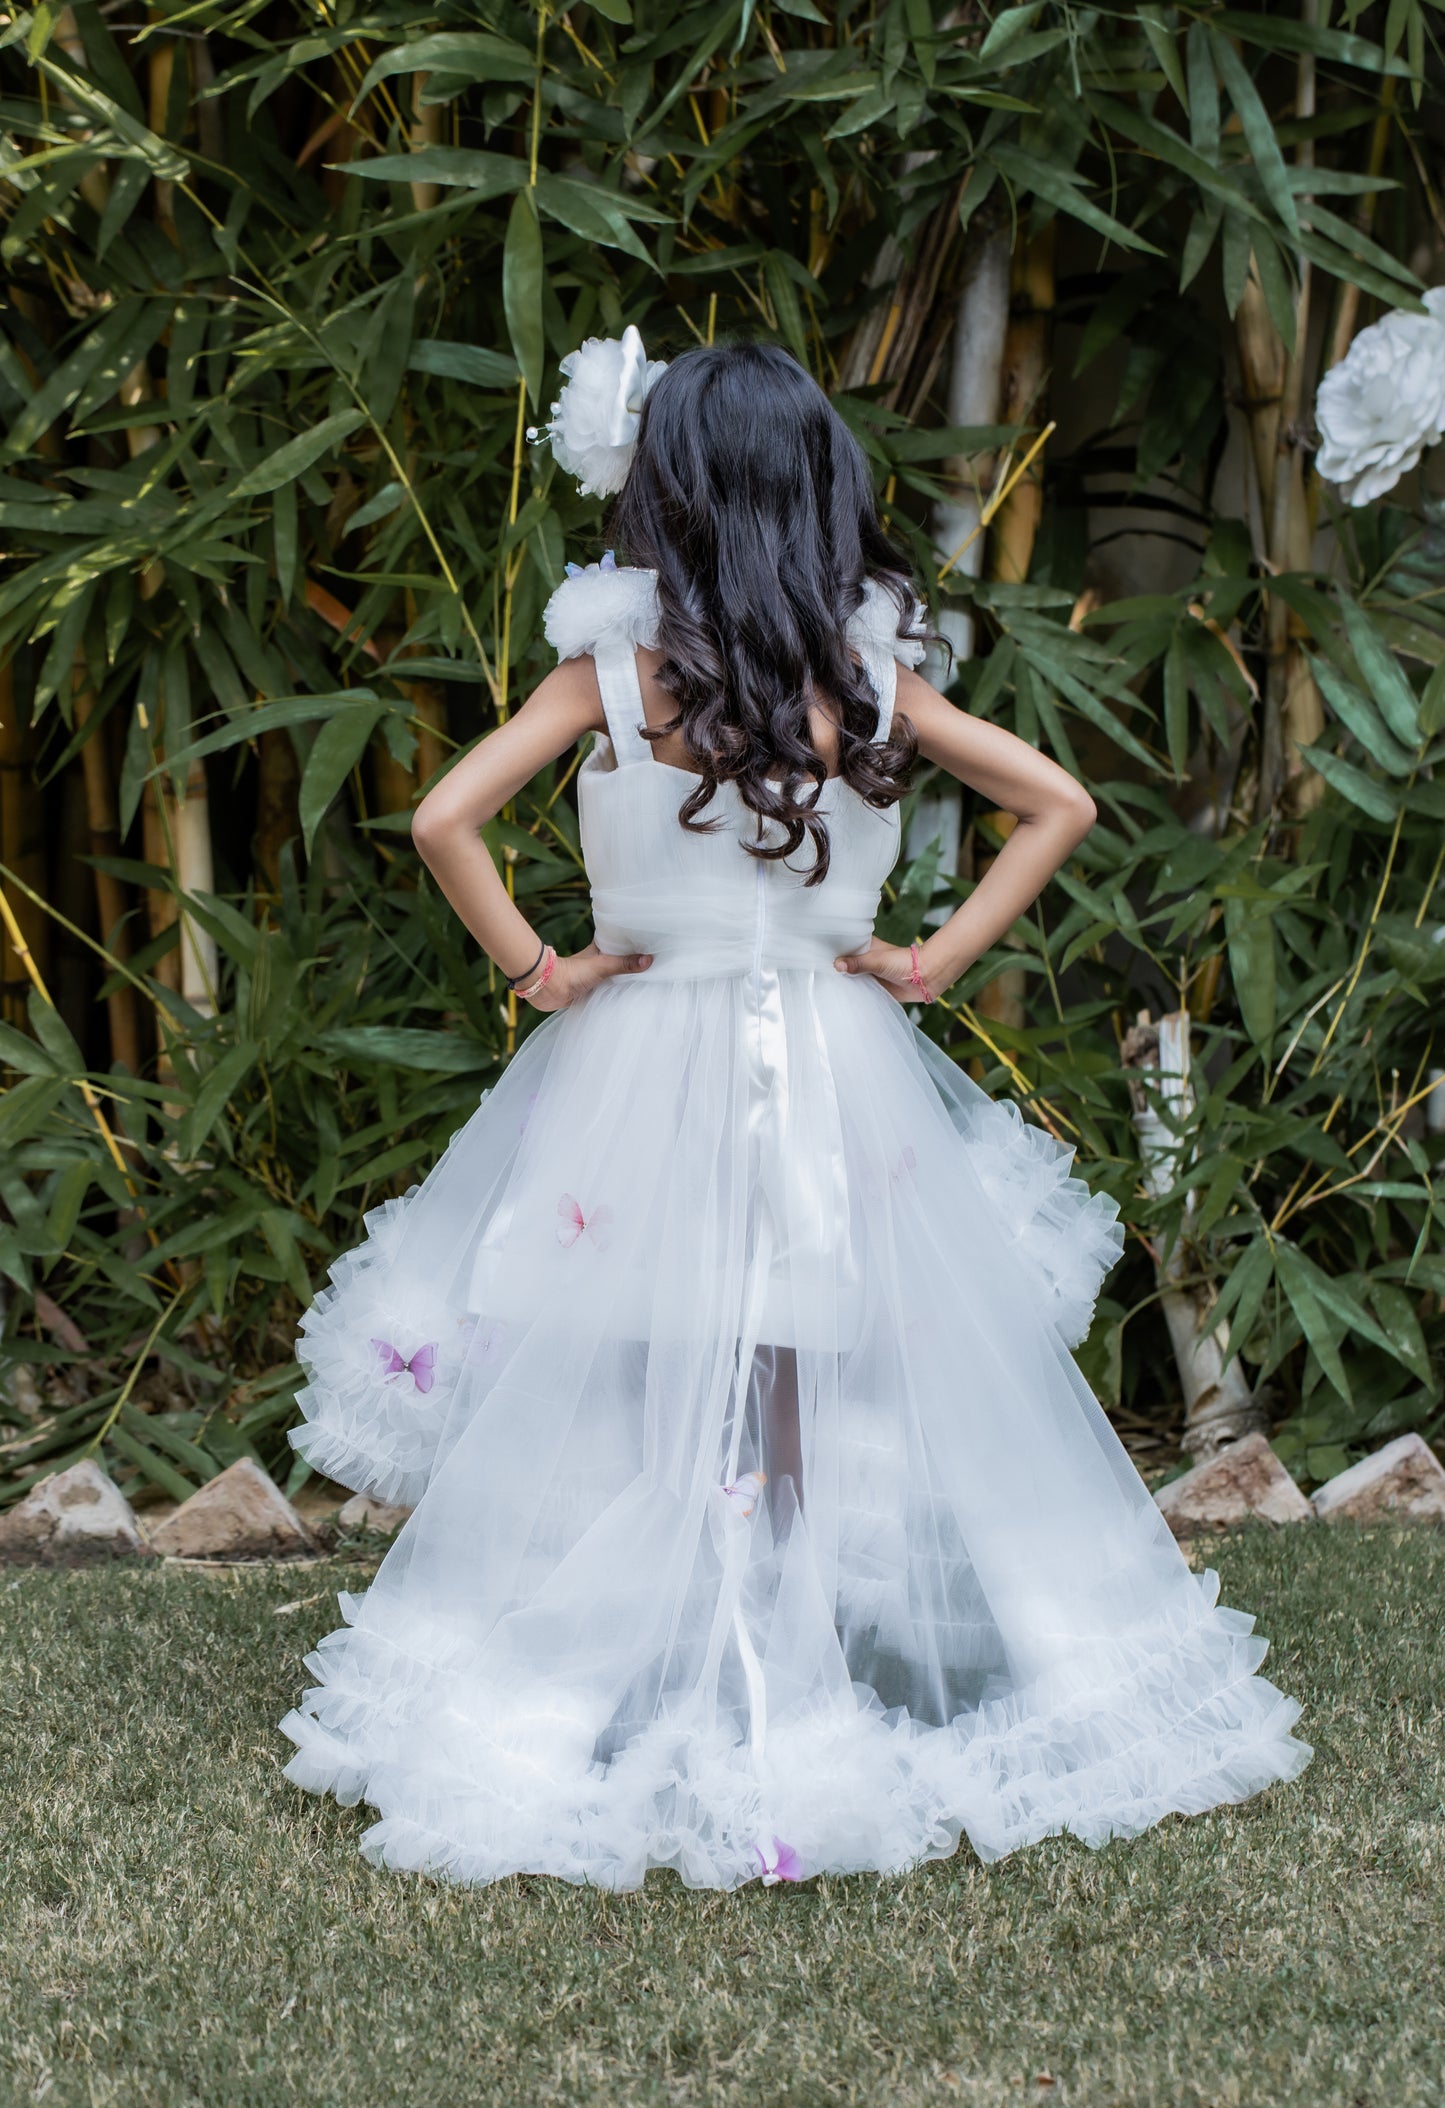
[753,503]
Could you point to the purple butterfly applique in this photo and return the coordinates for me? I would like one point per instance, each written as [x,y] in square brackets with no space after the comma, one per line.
[421,1368]
[779,1862]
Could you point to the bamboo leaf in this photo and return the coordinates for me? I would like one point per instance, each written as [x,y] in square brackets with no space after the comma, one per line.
[1358,713]
[1401,1328]
[1382,675]
[154,1467]
[522,291]
[458,167]
[94,370]
[1432,704]
[1416,950]
[1244,1293]
[287,710]
[1061,188]
[1252,967]
[406,1047]
[70,1190]
[291,460]
[1163,41]
[337,748]
[1373,798]
[1298,1278]
[214,1095]
[1258,130]
[1276,32]
[469,55]
[472,363]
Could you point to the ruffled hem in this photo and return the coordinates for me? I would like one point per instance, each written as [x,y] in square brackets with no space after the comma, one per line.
[472,1786]
[383,1352]
[1069,1236]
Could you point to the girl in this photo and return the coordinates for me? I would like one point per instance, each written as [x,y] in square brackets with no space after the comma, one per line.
[764,1526]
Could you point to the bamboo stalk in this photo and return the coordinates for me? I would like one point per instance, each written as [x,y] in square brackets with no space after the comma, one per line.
[1293,706]
[1219,1406]
[426,130]
[278,783]
[1028,346]
[22,839]
[122,1014]
[1015,516]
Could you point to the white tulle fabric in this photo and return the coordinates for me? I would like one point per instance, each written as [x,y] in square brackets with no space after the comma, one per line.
[765,1525]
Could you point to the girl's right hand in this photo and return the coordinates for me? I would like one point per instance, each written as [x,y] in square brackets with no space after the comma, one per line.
[577,973]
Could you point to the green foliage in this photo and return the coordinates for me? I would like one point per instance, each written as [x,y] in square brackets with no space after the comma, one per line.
[289,287]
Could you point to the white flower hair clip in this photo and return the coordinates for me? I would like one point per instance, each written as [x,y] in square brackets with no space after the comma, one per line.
[593,428]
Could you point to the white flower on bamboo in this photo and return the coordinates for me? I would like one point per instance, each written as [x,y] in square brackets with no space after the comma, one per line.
[1384,403]
[594,422]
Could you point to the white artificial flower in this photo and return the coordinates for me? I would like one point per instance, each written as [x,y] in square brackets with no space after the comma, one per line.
[1384,403]
[594,420]
[605,605]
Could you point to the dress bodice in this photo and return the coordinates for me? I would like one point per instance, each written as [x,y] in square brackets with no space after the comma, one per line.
[698,902]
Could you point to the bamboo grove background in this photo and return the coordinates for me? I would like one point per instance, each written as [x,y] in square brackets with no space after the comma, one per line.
[287,283]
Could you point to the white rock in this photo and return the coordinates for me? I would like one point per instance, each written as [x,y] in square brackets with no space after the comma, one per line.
[364,1511]
[73,1516]
[240,1514]
[1245,1479]
[1403,1482]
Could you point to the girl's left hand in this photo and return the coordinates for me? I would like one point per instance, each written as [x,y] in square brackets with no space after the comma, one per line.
[576,973]
[891,965]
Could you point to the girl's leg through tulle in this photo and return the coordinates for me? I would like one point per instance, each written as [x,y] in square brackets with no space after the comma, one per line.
[775,1377]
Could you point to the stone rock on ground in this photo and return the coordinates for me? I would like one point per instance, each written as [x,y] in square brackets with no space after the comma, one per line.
[1403,1482]
[71,1518]
[1245,1479]
[240,1514]
[364,1511]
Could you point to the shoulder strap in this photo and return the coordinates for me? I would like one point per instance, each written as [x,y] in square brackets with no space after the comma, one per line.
[873,633]
[607,611]
[616,665]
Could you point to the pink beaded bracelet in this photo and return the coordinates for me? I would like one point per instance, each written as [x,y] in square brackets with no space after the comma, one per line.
[916,980]
[543,977]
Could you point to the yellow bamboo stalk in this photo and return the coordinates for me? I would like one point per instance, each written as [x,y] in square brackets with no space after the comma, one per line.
[1001,491]
[26,957]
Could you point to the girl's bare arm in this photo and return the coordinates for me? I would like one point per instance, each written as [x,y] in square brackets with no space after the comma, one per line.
[447,824]
[1054,813]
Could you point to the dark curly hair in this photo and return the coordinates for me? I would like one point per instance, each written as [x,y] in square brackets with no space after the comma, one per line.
[753,503]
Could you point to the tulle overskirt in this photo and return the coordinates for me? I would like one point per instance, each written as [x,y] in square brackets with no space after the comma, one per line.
[763,1519]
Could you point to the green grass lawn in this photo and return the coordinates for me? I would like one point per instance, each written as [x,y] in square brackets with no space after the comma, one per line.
[178,1925]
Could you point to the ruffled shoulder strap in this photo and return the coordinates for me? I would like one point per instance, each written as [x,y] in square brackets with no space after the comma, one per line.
[608,611]
[606,603]
[873,632]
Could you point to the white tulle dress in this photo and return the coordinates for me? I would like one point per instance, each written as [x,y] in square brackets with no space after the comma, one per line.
[763,1525]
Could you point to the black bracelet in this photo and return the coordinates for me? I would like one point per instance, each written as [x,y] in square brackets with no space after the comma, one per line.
[516,980]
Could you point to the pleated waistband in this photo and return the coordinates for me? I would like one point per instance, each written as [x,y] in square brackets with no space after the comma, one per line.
[771,927]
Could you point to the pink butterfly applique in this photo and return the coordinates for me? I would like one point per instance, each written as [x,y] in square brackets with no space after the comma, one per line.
[743,1492]
[779,1862]
[421,1368]
[575,1224]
